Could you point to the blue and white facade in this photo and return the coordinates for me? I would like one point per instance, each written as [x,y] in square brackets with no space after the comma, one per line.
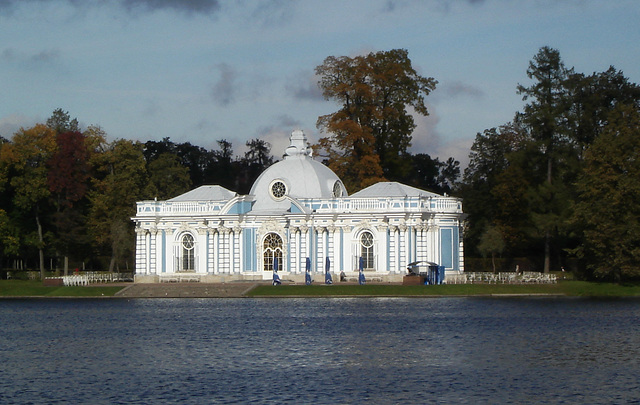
[297,209]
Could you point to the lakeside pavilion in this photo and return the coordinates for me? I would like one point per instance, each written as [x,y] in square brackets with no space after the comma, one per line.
[297,217]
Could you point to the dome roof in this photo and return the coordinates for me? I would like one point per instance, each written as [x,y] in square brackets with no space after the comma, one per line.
[296,176]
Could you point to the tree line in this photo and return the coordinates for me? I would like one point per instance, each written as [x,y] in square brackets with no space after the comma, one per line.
[557,185]
[68,194]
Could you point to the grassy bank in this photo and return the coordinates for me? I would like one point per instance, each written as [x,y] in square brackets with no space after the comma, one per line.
[23,288]
[565,288]
[29,288]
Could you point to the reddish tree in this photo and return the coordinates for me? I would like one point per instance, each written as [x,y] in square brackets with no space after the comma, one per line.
[67,179]
[69,169]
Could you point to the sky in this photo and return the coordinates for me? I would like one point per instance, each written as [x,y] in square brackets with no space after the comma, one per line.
[204,70]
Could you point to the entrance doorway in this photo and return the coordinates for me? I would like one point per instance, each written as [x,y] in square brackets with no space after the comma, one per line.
[272,250]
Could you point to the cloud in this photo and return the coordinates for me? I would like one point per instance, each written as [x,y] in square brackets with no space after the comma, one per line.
[391,6]
[283,125]
[305,87]
[458,149]
[427,139]
[8,55]
[277,134]
[6,6]
[460,89]
[30,60]
[288,122]
[445,5]
[224,90]
[187,7]
[204,125]
[273,12]
[45,56]
[151,108]
[10,124]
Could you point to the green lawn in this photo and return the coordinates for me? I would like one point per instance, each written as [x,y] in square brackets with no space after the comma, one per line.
[568,288]
[24,288]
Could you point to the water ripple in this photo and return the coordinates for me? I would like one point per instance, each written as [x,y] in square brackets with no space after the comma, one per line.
[321,351]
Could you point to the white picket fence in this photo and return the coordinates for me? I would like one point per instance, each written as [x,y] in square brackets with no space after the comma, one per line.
[75,280]
[91,277]
[502,278]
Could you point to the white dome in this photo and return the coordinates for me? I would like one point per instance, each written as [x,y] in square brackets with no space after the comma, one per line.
[296,176]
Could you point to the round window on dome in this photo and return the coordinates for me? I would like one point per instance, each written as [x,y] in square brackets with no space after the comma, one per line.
[278,190]
[337,189]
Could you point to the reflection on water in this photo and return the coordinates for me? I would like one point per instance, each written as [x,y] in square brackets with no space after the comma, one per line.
[446,350]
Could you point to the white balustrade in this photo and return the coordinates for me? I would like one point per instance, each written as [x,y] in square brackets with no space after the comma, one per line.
[409,204]
[501,278]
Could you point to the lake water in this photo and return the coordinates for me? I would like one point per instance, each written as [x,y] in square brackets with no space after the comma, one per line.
[320,351]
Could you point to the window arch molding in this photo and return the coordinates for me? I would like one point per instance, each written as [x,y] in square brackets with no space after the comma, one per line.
[272,248]
[366,243]
[186,244]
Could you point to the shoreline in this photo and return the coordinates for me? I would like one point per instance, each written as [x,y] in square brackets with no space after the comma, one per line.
[242,290]
[261,289]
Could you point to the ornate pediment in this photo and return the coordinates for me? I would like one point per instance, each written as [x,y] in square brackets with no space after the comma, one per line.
[271,225]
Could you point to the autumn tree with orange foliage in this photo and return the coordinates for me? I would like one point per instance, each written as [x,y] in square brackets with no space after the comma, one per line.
[367,139]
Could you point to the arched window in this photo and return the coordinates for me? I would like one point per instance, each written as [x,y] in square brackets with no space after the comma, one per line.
[272,249]
[337,189]
[188,253]
[366,249]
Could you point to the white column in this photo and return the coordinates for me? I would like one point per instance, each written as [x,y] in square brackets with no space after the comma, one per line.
[201,250]
[232,251]
[321,251]
[140,251]
[304,246]
[295,251]
[153,251]
[381,248]
[422,248]
[433,241]
[333,250]
[392,248]
[404,247]
[147,252]
[414,243]
[216,251]
[160,251]
[237,235]
[224,250]
[208,237]
[461,249]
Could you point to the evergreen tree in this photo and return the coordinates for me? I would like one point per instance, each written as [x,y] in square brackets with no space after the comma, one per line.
[545,118]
